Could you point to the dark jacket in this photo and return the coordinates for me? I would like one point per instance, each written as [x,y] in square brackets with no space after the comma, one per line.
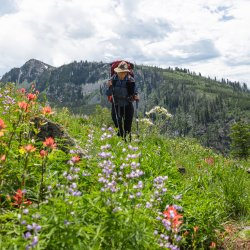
[123,90]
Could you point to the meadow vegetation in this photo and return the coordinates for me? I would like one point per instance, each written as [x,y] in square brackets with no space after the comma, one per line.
[104,193]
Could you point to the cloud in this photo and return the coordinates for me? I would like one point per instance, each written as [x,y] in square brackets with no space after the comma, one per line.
[152,29]
[8,7]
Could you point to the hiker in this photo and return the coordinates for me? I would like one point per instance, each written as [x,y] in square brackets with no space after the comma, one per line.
[122,91]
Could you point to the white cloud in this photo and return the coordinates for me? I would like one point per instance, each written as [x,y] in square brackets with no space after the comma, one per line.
[211,37]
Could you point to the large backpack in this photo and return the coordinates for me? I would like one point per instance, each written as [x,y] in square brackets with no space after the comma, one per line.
[112,72]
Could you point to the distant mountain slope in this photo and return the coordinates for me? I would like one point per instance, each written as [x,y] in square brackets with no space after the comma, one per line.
[202,107]
[29,72]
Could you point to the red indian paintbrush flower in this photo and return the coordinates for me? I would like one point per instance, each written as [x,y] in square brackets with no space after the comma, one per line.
[47,110]
[23,105]
[209,161]
[22,90]
[31,96]
[212,245]
[19,199]
[3,158]
[29,148]
[173,216]
[43,153]
[75,159]
[49,142]
[2,124]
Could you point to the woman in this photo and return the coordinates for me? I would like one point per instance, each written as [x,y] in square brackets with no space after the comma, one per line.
[122,89]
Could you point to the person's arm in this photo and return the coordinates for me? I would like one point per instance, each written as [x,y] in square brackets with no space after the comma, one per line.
[136,94]
[109,88]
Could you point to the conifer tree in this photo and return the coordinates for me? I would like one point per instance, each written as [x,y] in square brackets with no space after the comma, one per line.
[240,140]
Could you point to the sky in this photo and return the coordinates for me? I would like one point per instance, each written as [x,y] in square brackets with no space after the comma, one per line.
[210,37]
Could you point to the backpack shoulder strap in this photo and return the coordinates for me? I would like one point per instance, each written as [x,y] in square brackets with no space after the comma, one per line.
[130,78]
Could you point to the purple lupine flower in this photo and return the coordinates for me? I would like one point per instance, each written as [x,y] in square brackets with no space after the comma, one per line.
[105,154]
[179,208]
[69,177]
[110,129]
[36,216]
[86,174]
[104,147]
[116,209]
[23,222]
[66,222]
[177,197]
[26,211]
[177,237]
[131,196]
[139,194]
[35,241]
[73,185]
[36,227]
[27,235]
[133,148]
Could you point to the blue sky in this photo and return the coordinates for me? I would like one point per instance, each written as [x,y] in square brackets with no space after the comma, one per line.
[211,37]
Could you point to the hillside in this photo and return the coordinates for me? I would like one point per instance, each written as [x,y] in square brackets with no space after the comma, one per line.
[202,108]
[100,192]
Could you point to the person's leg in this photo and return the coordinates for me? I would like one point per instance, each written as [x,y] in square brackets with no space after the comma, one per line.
[128,118]
[117,119]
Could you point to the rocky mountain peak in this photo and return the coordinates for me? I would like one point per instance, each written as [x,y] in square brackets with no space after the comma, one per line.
[29,72]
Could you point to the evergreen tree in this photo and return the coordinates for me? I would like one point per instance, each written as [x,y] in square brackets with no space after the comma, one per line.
[240,136]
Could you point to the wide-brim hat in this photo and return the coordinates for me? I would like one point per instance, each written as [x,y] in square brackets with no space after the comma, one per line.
[122,67]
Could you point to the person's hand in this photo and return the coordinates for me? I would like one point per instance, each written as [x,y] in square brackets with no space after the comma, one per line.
[109,83]
[136,98]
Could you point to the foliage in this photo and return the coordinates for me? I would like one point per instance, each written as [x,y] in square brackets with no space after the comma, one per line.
[240,136]
[104,193]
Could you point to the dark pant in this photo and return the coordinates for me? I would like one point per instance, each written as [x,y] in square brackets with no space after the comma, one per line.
[122,117]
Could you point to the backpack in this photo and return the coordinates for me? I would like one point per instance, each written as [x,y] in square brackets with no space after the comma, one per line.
[112,73]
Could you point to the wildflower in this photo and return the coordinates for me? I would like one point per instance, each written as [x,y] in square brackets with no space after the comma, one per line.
[22,90]
[196,228]
[105,155]
[75,159]
[104,147]
[31,96]
[212,245]
[2,126]
[19,199]
[27,235]
[23,106]
[43,153]
[146,121]
[49,142]
[29,148]
[3,158]
[47,110]
[26,211]
[173,217]
[35,241]
[209,161]
[177,197]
